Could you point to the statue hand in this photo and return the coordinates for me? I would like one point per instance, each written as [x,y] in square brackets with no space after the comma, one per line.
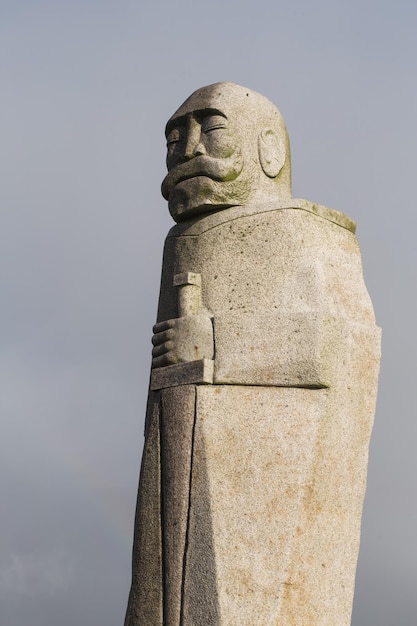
[182,340]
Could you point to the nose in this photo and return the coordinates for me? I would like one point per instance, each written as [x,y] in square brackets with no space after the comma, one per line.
[193,145]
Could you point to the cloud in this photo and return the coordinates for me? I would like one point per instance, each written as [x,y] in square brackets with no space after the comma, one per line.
[30,575]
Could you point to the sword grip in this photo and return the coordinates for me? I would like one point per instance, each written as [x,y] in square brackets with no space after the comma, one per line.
[189,293]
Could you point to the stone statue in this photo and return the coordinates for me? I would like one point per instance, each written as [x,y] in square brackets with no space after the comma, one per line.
[263,386]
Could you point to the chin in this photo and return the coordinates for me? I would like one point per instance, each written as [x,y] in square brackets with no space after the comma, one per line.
[200,195]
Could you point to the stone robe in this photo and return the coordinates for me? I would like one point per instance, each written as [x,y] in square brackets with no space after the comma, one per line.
[254,466]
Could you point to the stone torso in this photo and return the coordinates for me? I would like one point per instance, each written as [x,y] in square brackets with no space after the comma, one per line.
[270,278]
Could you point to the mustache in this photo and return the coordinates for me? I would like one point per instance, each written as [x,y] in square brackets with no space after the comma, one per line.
[218,169]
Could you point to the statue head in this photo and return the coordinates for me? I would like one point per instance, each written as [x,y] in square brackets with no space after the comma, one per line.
[227,146]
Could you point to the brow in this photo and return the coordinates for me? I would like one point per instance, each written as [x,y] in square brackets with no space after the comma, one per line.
[199,114]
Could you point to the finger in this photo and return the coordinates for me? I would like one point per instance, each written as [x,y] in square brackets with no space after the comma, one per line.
[166,359]
[163,348]
[163,336]
[161,326]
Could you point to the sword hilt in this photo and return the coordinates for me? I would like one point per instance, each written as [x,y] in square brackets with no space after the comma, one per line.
[189,293]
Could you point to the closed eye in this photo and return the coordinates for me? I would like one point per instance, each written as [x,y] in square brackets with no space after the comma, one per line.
[213,122]
[174,136]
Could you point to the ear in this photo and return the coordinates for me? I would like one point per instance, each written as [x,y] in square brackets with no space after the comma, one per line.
[271,153]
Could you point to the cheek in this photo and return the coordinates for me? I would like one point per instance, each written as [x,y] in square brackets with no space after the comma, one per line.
[174,155]
[221,145]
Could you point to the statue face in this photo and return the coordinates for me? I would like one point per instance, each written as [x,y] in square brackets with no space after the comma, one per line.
[213,156]
[205,134]
[208,160]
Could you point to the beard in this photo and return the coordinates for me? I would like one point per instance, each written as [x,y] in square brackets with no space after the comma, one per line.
[205,184]
[202,194]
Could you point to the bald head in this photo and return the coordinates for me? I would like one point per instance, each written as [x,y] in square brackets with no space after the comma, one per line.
[227,146]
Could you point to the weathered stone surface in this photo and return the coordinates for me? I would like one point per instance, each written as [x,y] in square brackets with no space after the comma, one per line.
[200,371]
[266,358]
[177,432]
[146,593]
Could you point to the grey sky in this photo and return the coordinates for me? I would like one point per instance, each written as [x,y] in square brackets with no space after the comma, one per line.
[87,87]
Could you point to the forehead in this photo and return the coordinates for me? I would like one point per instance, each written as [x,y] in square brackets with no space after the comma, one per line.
[204,102]
[180,118]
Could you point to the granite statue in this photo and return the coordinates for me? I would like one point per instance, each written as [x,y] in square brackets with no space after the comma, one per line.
[263,386]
